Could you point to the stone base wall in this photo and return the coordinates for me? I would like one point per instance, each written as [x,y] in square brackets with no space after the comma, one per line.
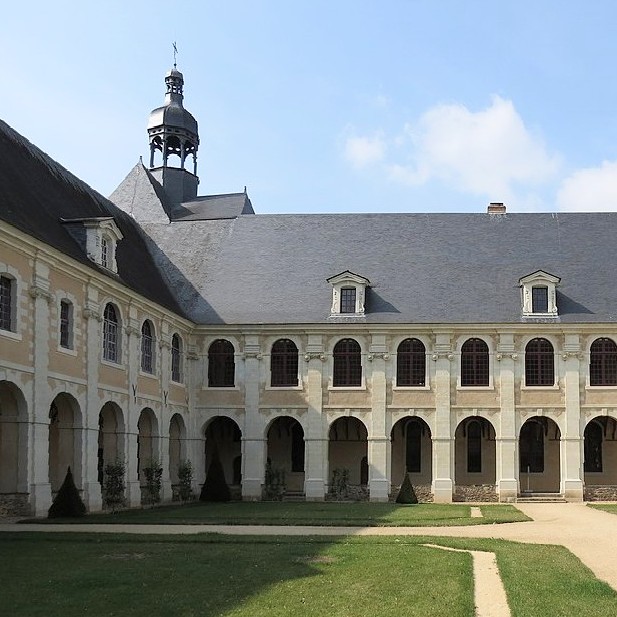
[423,493]
[14,504]
[354,493]
[475,492]
[606,492]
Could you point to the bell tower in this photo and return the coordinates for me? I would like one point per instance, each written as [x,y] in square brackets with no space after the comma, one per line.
[174,138]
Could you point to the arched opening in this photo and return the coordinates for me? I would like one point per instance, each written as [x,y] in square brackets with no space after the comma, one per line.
[412,454]
[13,449]
[347,446]
[223,435]
[539,456]
[286,451]
[64,440]
[475,460]
[177,446]
[147,443]
[111,437]
[600,460]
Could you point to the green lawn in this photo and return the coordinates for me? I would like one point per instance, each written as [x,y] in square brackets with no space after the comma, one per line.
[72,575]
[605,507]
[324,513]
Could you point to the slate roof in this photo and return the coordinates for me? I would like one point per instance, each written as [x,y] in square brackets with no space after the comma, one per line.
[423,268]
[36,193]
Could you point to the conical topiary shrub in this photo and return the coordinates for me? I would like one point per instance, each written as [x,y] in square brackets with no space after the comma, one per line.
[215,487]
[67,503]
[406,493]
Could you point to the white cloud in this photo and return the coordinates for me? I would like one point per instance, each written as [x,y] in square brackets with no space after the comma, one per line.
[592,189]
[363,151]
[489,152]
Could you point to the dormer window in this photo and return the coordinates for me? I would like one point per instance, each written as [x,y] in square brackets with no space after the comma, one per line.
[539,295]
[98,238]
[348,294]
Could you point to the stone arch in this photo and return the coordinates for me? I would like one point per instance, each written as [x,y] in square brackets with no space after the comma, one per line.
[224,435]
[13,448]
[475,459]
[177,446]
[147,442]
[286,450]
[111,436]
[600,458]
[412,453]
[65,421]
[347,446]
[539,456]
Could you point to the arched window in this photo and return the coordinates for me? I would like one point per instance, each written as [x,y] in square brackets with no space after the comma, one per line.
[147,347]
[539,363]
[7,293]
[474,447]
[474,363]
[176,358]
[347,363]
[66,324]
[221,364]
[411,363]
[111,334]
[603,363]
[532,447]
[284,363]
[413,450]
[593,447]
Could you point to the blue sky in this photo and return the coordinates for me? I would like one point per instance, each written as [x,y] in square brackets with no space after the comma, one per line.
[333,106]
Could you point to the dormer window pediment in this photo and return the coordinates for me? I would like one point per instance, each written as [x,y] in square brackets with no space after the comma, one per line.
[348,293]
[98,238]
[539,294]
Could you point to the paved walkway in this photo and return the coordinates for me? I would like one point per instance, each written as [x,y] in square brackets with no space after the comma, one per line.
[588,533]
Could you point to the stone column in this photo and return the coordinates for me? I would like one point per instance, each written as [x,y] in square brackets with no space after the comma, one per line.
[91,496]
[254,442]
[571,460]
[443,439]
[132,360]
[506,446]
[379,441]
[38,443]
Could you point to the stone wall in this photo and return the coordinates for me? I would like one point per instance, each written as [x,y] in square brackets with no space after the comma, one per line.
[14,505]
[475,492]
[423,493]
[600,493]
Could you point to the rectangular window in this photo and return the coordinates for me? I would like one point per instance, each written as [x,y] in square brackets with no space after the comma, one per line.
[104,253]
[6,302]
[539,299]
[348,300]
[66,326]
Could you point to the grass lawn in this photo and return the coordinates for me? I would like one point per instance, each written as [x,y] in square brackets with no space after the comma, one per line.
[207,575]
[605,507]
[323,513]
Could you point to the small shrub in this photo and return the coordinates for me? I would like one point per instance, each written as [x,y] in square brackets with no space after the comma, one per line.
[215,487]
[340,483]
[274,485]
[113,485]
[185,480]
[154,474]
[67,502]
[406,493]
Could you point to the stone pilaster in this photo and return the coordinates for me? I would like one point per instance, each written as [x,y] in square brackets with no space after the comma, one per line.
[379,441]
[571,459]
[316,438]
[443,439]
[131,357]
[506,446]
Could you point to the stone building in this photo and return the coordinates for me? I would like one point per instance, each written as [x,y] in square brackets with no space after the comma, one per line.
[475,352]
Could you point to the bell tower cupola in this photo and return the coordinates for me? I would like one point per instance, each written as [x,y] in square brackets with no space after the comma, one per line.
[174,139]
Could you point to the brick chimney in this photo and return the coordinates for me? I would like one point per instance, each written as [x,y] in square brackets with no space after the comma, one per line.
[496,207]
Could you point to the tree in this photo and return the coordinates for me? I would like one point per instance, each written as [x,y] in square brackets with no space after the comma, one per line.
[406,493]
[154,475]
[215,487]
[185,480]
[113,485]
[67,502]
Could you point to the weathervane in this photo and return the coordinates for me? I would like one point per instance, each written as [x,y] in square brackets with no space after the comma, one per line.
[175,53]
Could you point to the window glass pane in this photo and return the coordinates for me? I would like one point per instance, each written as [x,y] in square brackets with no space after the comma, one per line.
[539,299]
[348,300]
[221,364]
[284,364]
[6,288]
[65,324]
[347,364]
